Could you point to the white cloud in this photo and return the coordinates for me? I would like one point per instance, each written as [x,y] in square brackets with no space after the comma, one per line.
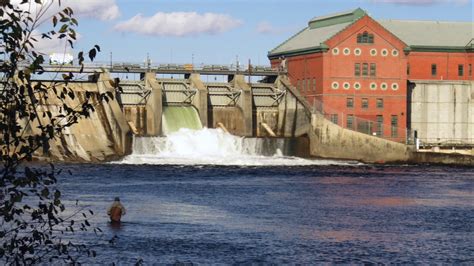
[98,9]
[423,2]
[265,27]
[179,24]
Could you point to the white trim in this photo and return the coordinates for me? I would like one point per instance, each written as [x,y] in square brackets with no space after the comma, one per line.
[346,51]
[357,51]
[395,52]
[373,52]
[395,86]
[383,86]
[357,86]
[384,51]
[373,86]
[346,87]
[335,85]
[335,51]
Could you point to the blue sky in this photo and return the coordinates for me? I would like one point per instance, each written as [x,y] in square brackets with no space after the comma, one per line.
[217,31]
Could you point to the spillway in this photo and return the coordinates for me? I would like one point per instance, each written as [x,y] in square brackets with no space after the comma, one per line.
[213,147]
[177,117]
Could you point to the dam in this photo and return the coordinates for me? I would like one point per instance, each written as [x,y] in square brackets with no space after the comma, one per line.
[270,110]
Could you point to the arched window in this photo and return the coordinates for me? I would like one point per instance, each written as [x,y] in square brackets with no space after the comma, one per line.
[365,37]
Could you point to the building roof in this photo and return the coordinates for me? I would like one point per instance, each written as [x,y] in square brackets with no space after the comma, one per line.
[308,39]
[319,30]
[431,33]
[416,34]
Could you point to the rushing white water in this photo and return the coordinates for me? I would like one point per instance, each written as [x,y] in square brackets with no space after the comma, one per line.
[212,147]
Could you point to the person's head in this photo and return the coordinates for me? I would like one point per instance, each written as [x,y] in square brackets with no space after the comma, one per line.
[117,199]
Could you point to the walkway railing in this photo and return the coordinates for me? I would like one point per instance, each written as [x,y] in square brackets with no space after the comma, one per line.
[381,128]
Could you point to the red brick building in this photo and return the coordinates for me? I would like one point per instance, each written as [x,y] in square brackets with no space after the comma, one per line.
[357,70]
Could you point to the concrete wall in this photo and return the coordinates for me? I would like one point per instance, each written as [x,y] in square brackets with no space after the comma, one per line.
[154,106]
[329,140]
[102,136]
[442,112]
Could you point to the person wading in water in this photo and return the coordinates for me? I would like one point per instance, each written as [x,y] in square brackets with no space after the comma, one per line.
[116,210]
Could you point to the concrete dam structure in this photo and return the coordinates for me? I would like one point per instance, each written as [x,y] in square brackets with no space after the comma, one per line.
[242,109]
[271,109]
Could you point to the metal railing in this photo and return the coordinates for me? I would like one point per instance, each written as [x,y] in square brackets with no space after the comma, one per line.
[381,128]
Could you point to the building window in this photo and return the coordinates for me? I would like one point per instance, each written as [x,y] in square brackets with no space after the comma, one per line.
[365,37]
[334,119]
[394,128]
[433,70]
[373,86]
[379,126]
[373,52]
[350,103]
[357,69]
[357,51]
[308,85]
[346,51]
[365,69]
[335,51]
[346,85]
[335,85]
[365,103]
[384,52]
[469,70]
[314,84]
[350,121]
[379,103]
[383,86]
[408,69]
[394,86]
[460,70]
[373,69]
[357,86]
[395,52]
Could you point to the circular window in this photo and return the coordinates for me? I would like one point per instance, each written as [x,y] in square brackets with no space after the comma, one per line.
[335,51]
[357,51]
[395,52]
[394,86]
[373,86]
[384,52]
[346,85]
[346,51]
[373,52]
[335,85]
[383,86]
[357,86]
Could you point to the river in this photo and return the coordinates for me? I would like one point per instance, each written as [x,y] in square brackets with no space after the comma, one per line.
[341,213]
[207,197]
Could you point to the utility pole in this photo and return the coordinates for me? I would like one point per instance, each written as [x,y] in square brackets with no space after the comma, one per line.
[111,61]
[237,64]
[250,70]
[148,63]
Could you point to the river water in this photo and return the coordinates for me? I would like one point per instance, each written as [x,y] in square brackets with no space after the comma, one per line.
[193,203]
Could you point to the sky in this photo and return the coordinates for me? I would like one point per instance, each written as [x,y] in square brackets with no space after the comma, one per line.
[221,31]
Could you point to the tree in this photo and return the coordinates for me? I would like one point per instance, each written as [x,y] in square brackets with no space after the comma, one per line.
[34,113]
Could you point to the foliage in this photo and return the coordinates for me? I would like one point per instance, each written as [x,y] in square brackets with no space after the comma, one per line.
[34,224]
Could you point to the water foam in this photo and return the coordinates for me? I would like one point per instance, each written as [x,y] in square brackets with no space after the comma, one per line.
[212,147]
